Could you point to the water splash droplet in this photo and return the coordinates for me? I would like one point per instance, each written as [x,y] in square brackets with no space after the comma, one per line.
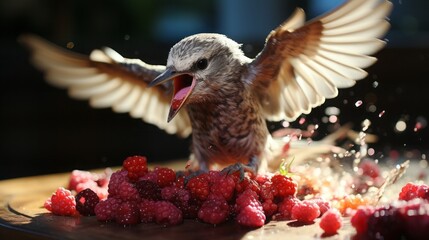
[365,124]
[358,103]
[285,124]
[400,126]
[381,113]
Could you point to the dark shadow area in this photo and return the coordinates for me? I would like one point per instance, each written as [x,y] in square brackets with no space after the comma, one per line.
[43,131]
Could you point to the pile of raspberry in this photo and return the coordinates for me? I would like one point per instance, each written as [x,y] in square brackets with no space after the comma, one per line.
[137,194]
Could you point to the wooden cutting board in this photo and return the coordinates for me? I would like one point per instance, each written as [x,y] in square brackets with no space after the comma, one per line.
[22,216]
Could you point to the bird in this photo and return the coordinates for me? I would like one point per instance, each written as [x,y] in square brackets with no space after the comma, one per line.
[210,90]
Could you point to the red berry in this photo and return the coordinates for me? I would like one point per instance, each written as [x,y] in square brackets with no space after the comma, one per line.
[199,187]
[267,191]
[127,191]
[106,209]
[86,201]
[127,213]
[415,216]
[78,176]
[167,214]
[148,190]
[305,211]
[251,217]
[369,168]
[62,202]
[411,191]
[115,180]
[360,219]
[330,221]
[214,210]
[283,186]
[223,185]
[165,176]
[285,207]
[147,211]
[247,198]
[269,207]
[178,196]
[242,185]
[136,166]
[323,205]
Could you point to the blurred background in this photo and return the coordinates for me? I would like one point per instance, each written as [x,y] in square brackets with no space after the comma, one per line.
[43,131]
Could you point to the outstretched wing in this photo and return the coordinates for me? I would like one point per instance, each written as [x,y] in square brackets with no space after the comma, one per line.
[302,64]
[107,79]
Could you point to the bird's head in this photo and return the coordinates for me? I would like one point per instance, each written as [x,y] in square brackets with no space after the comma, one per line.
[199,65]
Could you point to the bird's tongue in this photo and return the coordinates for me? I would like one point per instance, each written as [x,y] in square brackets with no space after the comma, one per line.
[179,97]
[183,85]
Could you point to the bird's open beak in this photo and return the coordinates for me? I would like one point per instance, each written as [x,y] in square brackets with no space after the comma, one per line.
[183,84]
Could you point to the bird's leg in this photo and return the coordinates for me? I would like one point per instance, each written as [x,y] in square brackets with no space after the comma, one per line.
[252,167]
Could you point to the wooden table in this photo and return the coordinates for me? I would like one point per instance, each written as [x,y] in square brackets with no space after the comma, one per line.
[22,216]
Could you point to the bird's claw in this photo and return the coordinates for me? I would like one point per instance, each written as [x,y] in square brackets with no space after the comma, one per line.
[241,168]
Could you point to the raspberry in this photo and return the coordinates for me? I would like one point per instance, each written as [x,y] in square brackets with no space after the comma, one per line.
[167,214]
[127,191]
[330,221]
[106,210]
[283,186]
[385,223]
[305,211]
[165,176]
[81,180]
[147,211]
[86,201]
[223,185]
[249,210]
[415,216]
[127,213]
[148,190]
[285,207]
[78,176]
[360,219]
[62,203]
[267,191]
[136,166]
[115,180]
[180,182]
[199,187]
[247,198]
[269,207]
[323,205]
[242,185]
[178,196]
[251,217]
[411,191]
[369,168]
[214,210]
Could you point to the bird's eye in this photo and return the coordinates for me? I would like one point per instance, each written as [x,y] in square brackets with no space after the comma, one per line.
[202,64]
